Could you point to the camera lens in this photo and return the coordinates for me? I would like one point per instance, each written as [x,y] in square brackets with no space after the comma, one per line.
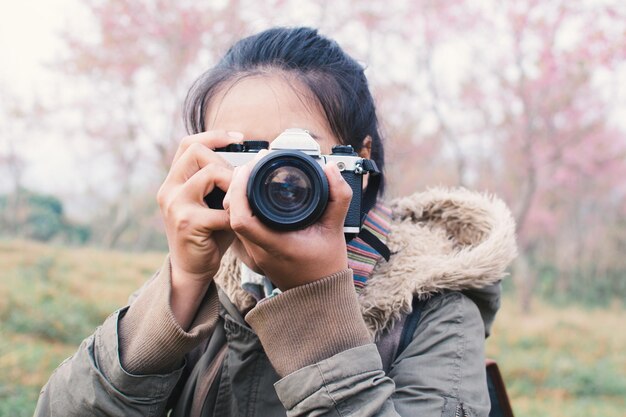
[288,190]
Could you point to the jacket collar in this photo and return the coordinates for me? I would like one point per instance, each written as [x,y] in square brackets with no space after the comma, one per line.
[440,240]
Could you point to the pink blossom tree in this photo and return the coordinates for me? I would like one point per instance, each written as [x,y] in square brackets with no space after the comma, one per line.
[131,74]
[512,98]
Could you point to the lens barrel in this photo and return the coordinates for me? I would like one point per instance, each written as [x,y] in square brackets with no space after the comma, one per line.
[288,190]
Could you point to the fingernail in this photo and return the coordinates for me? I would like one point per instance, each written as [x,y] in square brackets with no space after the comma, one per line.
[235,135]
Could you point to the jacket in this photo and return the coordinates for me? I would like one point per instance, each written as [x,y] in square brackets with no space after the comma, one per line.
[449,248]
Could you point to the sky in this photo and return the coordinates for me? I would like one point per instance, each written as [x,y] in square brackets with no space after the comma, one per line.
[28,40]
[29,43]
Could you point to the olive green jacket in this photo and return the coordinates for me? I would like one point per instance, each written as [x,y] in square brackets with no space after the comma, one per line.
[316,350]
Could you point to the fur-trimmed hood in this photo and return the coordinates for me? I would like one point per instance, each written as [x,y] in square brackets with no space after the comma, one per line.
[439,240]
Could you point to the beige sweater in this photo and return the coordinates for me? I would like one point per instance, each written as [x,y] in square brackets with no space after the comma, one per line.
[297,328]
[439,239]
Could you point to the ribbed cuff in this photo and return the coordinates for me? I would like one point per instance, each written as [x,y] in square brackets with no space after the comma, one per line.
[150,339]
[310,323]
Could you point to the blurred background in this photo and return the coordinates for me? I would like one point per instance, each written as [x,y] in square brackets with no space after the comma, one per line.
[524,99]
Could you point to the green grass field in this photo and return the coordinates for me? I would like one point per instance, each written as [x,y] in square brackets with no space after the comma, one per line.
[556,362]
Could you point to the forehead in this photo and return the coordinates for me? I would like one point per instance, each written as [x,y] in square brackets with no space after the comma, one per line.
[263,106]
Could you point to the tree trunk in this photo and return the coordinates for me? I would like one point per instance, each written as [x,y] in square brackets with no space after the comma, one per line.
[525,279]
[121,220]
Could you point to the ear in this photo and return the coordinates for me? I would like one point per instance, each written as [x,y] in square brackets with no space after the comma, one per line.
[366,148]
[366,153]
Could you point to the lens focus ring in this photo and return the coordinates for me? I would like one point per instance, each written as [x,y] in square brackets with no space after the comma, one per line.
[288,190]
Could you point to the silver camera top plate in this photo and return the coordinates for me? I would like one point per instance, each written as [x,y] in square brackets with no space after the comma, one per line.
[297,139]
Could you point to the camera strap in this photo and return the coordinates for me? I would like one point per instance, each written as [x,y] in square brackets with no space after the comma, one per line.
[371,192]
[369,201]
[376,244]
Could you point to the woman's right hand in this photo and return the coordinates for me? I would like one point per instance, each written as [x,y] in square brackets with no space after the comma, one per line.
[197,236]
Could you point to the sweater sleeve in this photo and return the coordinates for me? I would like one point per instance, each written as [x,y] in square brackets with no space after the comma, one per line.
[440,373]
[151,340]
[130,365]
[310,323]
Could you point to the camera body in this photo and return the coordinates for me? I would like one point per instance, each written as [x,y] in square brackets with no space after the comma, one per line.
[287,188]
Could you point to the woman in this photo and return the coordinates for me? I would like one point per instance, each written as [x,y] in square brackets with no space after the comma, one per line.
[209,334]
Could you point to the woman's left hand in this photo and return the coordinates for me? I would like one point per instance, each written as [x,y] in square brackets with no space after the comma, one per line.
[292,258]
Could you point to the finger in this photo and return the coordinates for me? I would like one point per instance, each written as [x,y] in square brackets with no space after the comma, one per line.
[213,219]
[242,221]
[195,158]
[212,139]
[250,164]
[205,180]
[190,217]
[339,197]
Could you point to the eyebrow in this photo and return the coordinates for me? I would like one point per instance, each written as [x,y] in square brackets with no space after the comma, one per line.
[314,136]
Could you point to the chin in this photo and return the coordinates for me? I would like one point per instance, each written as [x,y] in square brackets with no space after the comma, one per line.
[242,254]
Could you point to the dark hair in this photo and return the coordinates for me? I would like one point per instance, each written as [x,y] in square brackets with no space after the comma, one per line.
[337,81]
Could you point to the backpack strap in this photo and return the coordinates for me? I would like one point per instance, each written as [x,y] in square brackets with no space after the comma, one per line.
[500,404]
[410,324]
[392,342]
[206,381]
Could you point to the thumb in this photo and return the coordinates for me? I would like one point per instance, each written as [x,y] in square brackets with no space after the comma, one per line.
[339,197]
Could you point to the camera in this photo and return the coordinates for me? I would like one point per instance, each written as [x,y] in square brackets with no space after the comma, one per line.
[287,188]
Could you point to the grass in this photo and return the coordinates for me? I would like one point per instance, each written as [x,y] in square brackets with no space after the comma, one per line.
[564,361]
[50,299]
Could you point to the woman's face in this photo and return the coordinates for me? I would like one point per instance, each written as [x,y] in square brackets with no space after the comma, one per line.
[261,107]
